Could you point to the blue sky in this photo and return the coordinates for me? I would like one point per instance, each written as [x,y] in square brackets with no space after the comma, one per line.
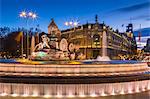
[112,12]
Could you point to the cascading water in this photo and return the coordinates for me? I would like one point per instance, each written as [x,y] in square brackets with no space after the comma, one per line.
[72,90]
[32,44]
[104,56]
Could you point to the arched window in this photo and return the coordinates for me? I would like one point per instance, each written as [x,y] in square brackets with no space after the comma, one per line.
[96,38]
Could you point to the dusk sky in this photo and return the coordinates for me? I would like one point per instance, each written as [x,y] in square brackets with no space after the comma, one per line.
[113,12]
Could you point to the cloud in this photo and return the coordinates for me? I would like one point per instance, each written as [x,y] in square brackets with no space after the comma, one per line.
[144,31]
[134,7]
[146,16]
[148,19]
[142,42]
[143,39]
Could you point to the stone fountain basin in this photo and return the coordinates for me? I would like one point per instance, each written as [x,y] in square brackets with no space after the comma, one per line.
[72,68]
[65,79]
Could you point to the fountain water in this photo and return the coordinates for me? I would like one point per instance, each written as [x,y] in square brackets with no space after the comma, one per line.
[72,90]
[104,56]
[32,44]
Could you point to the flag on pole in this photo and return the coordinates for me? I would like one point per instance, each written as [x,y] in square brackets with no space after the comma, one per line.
[19,36]
[139,36]
[32,44]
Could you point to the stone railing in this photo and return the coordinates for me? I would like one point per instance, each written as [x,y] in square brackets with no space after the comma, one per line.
[101,69]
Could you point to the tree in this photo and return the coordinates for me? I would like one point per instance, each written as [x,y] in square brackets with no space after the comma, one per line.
[12,45]
[4,31]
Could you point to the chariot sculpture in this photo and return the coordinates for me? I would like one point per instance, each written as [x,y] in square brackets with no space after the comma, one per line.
[47,50]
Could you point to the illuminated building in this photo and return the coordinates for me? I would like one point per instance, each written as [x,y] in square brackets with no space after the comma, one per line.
[53,32]
[73,78]
[147,47]
[89,37]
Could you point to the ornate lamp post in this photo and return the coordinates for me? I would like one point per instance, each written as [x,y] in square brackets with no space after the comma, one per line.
[27,16]
[71,24]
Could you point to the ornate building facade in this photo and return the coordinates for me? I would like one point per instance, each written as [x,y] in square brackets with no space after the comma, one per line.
[90,38]
[53,32]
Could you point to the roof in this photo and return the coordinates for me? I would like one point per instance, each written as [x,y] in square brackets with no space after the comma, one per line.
[52,23]
[84,26]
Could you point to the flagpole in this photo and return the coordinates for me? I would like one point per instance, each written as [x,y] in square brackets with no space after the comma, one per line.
[22,45]
[27,15]
[139,37]
[140,34]
[122,28]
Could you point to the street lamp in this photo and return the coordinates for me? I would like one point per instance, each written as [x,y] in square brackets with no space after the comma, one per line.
[66,23]
[30,14]
[22,14]
[71,23]
[75,23]
[27,15]
[34,16]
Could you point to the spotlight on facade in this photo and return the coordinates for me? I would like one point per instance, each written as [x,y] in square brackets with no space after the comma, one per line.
[47,96]
[93,95]
[104,27]
[82,95]
[25,95]
[59,96]
[3,94]
[71,95]
[14,95]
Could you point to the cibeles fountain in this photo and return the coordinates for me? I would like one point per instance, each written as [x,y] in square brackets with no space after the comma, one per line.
[59,70]
[47,50]
[53,50]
